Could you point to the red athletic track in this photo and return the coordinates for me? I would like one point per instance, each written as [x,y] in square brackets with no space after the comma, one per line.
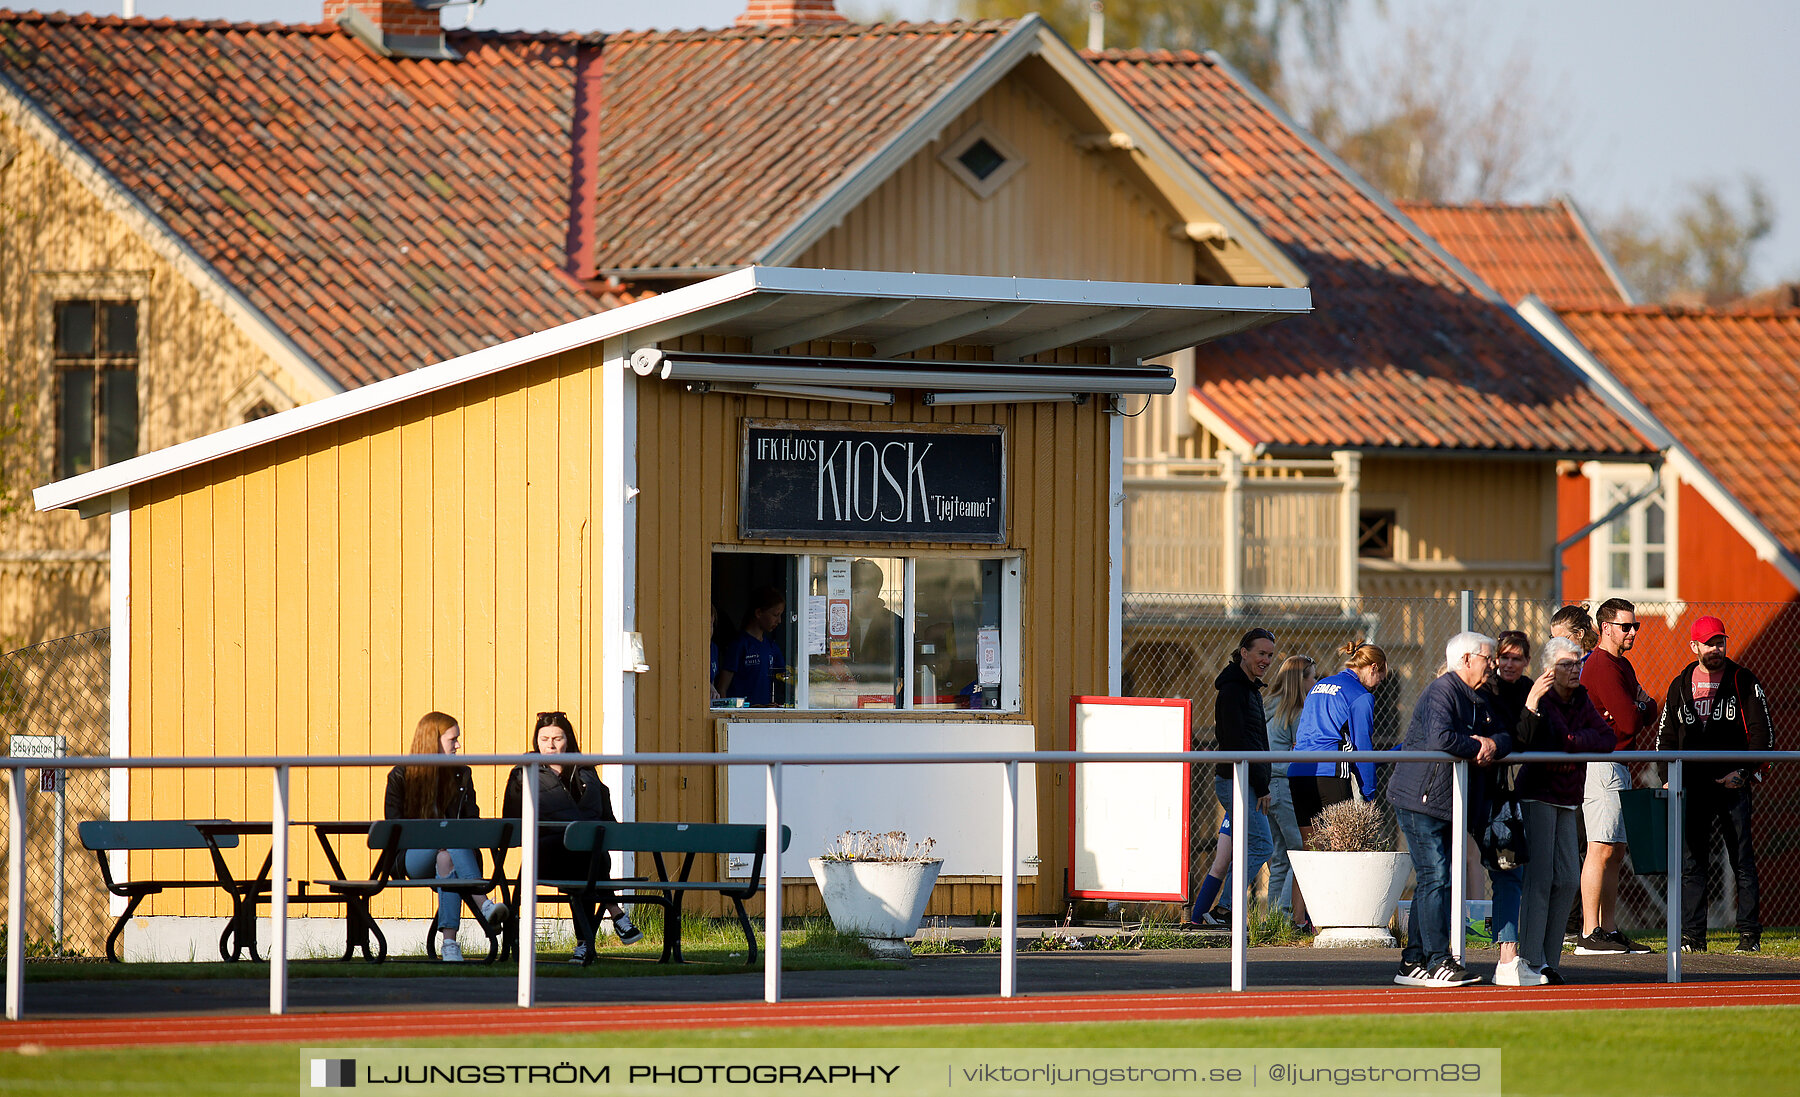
[319,1028]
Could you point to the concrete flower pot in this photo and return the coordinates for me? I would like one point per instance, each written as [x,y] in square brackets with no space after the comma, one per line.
[1351,897]
[880,901]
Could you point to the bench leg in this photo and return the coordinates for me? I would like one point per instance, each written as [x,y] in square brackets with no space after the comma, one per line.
[118,930]
[749,930]
[240,931]
[672,929]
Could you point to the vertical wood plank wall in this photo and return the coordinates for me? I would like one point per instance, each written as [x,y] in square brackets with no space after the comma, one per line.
[320,594]
[1056,521]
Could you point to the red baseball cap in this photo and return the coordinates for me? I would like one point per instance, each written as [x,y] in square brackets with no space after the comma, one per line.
[1706,628]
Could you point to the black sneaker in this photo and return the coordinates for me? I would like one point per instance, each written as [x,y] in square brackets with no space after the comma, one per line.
[1600,943]
[1552,977]
[1411,975]
[1692,944]
[1618,935]
[1449,973]
[1749,942]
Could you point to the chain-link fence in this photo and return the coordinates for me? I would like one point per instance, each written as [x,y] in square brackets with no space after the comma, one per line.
[1175,645]
[54,700]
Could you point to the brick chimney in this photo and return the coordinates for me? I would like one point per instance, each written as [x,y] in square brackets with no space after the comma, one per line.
[789,13]
[394,28]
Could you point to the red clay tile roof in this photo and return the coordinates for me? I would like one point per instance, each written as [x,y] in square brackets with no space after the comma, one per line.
[384,213]
[1400,352]
[1523,250]
[1726,384]
[714,142]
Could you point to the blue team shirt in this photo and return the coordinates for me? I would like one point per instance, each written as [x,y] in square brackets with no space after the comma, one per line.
[753,664]
[1334,701]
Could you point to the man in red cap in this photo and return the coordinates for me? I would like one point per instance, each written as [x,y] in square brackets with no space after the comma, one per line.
[1715,704]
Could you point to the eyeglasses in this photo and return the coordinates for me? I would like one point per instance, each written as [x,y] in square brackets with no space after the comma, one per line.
[1626,626]
[544,717]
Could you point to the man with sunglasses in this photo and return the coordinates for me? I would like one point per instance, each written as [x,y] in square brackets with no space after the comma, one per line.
[1715,704]
[1628,710]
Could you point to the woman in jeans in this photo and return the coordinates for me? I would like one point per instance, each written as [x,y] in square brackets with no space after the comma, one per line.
[440,792]
[1509,687]
[1558,716]
[1239,725]
[1297,676]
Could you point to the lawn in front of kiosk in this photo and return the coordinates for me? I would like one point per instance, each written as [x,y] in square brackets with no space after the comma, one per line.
[1629,1053]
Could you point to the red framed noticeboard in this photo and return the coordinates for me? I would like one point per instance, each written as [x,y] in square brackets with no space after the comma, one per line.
[1128,821]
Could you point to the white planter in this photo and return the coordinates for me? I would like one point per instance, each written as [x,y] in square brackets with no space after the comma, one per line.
[1351,896]
[881,902]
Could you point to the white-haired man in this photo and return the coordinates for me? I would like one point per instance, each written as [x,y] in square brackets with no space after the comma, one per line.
[1453,715]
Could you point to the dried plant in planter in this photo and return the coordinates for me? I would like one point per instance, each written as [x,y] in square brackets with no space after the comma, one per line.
[893,848]
[1352,826]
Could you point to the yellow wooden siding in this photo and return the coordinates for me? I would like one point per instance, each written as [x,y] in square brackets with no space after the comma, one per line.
[1476,512]
[1068,213]
[319,595]
[1057,483]
[60,238]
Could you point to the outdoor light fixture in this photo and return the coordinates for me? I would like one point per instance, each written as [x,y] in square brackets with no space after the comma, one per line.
[949,399]
[1053,381]
[809,392]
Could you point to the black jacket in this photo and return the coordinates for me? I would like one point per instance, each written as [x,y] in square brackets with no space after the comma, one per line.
[462,796]
[1447,717]
[576,793]
[1240,723]
[1739,721]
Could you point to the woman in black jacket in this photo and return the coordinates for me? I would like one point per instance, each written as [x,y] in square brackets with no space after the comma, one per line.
[567,794]
[1240,724]
[440,792]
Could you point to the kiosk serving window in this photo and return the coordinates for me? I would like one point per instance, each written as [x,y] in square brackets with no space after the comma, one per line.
[865,632]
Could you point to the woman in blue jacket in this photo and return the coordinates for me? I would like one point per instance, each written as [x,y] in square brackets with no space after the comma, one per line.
[1339,715]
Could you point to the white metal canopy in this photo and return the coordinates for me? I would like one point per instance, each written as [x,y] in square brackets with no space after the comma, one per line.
[776,308]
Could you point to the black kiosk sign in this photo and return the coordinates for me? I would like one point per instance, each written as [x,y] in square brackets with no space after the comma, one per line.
[869,483]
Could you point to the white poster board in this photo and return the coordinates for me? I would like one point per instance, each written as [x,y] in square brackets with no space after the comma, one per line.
[1128,821]
[959,805]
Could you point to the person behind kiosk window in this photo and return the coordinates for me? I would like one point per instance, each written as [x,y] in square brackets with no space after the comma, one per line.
[440,792]
[748,669]
[875,630]
[568,794]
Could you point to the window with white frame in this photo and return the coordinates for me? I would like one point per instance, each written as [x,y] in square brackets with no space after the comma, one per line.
[1634,554]
[865,631]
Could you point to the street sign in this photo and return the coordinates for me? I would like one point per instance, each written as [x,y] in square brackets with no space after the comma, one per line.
[35,746]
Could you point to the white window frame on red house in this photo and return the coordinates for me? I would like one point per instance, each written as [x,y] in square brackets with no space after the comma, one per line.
[1628,535]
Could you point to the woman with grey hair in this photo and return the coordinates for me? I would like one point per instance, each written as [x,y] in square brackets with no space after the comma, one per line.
[1558,716]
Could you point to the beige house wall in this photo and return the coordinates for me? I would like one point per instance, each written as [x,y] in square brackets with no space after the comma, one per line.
[62,237]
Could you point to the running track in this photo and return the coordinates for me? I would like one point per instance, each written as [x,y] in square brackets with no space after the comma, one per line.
[320,1028]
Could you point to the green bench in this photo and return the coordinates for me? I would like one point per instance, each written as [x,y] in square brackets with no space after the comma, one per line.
[108,836]
[391,839]
[690,840]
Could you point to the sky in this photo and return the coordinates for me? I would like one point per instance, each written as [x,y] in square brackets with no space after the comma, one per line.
[1652,96]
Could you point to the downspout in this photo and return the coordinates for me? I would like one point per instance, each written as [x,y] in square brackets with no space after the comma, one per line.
[1562,546]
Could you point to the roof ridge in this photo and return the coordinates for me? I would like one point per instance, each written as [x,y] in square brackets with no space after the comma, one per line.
[1711,312]
[817,30]
[1160,56]
[1554,206]
[168,23]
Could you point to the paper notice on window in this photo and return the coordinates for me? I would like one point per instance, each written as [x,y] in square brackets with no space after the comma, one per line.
[816,609]
[837,589]
[987,656]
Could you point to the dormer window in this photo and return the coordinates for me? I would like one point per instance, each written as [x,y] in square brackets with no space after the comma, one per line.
[981,159]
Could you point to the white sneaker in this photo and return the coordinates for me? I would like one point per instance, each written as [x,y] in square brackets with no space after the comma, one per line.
[449,951]
[1517,973]
[628,933]
[580,955]
[493,913]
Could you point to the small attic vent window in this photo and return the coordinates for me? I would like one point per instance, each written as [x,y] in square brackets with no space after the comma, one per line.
[981,159]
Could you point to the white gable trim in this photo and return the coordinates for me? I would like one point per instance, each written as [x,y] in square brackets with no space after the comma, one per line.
[1686,466]
[24,112]
[1192,193]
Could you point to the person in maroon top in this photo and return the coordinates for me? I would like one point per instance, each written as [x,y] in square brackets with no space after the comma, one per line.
[1628,710]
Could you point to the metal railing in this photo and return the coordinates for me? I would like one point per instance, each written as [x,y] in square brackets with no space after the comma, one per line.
[773,765]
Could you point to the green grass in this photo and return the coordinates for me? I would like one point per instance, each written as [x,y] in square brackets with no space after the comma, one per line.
[709,946]
[1636,1053]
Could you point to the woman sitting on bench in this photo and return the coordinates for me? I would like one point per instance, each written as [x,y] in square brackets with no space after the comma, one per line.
[567,794]
[440,792]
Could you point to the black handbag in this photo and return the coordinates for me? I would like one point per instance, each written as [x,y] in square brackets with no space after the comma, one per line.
[1502,840]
